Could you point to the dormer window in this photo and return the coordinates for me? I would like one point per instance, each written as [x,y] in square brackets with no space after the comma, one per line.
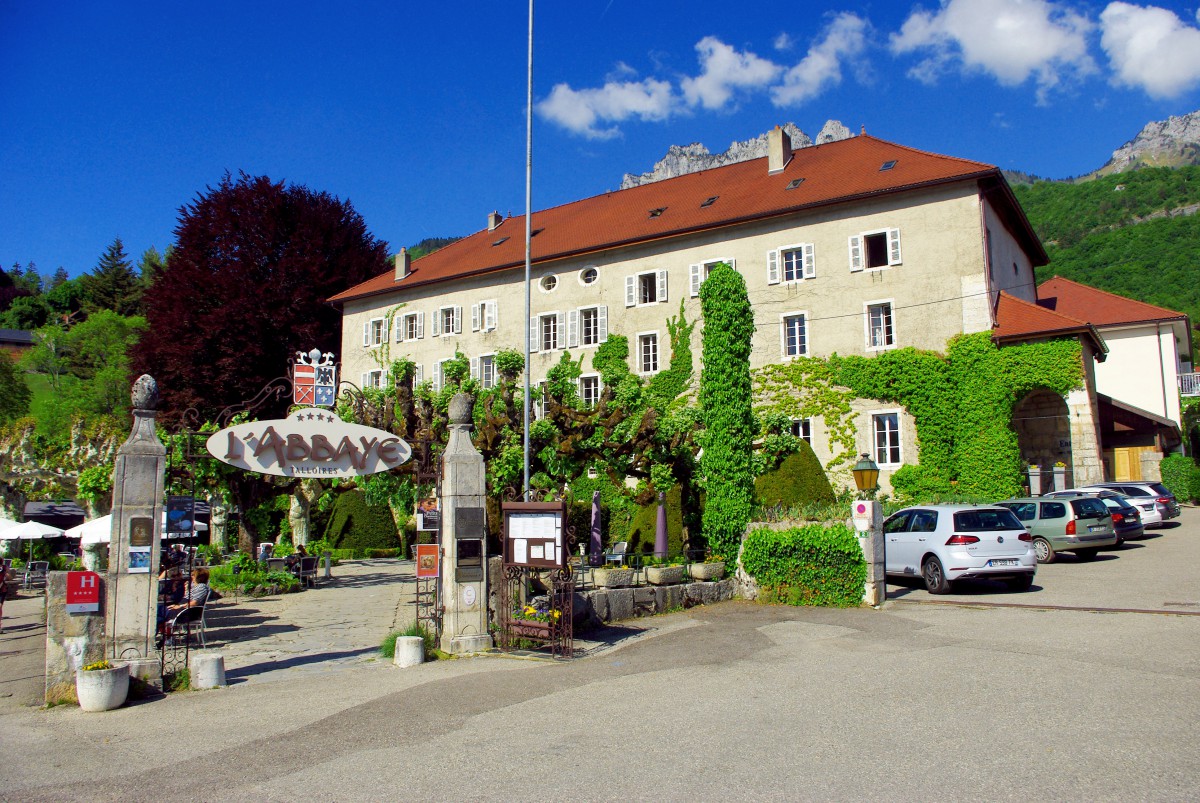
[794,183]
[888,165]
[658,212]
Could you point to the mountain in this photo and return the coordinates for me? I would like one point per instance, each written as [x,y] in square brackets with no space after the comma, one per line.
[683,159]
[1173,142]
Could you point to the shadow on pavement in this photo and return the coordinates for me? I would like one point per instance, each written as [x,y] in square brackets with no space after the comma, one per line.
[242,673]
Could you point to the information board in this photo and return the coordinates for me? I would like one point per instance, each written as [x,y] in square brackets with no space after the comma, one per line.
[533,534]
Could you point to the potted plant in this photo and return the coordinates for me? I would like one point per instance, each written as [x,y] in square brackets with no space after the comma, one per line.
[664,571]
[613,576]
[102,686]
[535,621]
[708,569]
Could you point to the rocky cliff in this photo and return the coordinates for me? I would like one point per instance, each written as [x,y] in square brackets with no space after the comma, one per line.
[1166,143]
[682,159]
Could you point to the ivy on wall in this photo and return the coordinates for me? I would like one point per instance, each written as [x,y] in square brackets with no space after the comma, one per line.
[961,402]
[811,564]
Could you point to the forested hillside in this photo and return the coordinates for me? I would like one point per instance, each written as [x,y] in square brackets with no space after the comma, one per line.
[1136,234]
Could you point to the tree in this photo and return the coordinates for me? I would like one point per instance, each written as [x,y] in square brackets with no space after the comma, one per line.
[153,265]
[57,279]
[14,393]
[245,289]
[725,401]
[113,284]
[26,312]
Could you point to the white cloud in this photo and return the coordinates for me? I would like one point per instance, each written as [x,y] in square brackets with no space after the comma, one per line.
[1150,48]
[822,66]
[724,70]
[588,111]
[1011,40]
[783,42]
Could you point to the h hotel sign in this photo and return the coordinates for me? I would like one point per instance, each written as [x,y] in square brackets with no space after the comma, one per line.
[83,592]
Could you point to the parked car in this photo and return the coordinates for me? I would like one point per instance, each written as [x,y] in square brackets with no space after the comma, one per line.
[946,543]
[1079,524]
[1127,520]
[1153,500]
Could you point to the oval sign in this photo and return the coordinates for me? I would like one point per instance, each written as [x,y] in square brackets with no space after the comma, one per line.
[310,442]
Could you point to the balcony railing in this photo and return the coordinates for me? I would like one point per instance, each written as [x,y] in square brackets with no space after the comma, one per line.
[1189,384]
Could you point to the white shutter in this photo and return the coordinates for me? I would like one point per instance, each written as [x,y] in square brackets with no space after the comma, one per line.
[732,263]
[437,377]
[695,276]
[387,331]
[476,315]
[662,287]
[893,239]
[572,328]
[810,261]
[399,328]
[783,337]
[420,325]
[418,375]
[458,320]
[534,344]
[475,368]
[602,324]
[630,291]
[366,334]
[856,260]
[560,331]
[437,322]
[365,378]
[489,316]
[772,267]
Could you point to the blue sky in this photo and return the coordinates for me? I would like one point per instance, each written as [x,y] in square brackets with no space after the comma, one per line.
[116,114]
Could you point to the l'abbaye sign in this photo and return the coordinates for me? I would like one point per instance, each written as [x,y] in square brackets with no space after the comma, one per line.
[309,443]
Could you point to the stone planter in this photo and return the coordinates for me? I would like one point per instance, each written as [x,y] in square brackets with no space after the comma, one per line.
[707,571]
[664,575]
[102,689]
[612,578]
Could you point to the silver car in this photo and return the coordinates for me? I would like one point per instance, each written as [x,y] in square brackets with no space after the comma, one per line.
[946,543]
[1154,502]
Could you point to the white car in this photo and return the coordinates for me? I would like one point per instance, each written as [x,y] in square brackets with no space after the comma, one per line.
[946,543]
[1152,499]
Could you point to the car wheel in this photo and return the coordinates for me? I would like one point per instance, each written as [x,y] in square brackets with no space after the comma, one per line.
[1022,583]
[1087,554]
[935,577]
[1043,550]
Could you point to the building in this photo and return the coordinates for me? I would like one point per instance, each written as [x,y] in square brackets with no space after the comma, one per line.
[855,247]
[15,342]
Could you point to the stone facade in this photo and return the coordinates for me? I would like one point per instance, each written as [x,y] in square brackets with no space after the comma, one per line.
[73,640]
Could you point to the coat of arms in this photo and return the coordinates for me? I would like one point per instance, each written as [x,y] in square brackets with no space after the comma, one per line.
[314,379]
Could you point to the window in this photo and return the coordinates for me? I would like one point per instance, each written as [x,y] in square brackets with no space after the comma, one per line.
[698,272]
[588,275]
[648,353]
[875,249]
[802,429]
[886,427]
[548,283]
[412,327]
[439,374]
[447,321]
[646,288]
[483,369]
[881,333]
[791,263]
[483,316]
[372,379]
[546,332]
[587,326]
[795,334]
[589,389]
[375,332]
[1053,510]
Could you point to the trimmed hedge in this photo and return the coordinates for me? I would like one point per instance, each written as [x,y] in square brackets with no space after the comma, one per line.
[797,482]
[356,525]
[645,520]
[1181,475]
[808,565]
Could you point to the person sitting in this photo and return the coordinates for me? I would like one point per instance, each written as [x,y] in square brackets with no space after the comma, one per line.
[196,597]
[292,561]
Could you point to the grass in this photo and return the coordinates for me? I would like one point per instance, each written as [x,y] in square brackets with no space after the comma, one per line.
[388,648]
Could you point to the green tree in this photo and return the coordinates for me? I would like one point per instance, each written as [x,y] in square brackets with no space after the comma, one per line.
[14,393]
[113,285]
[152,266]
[725,402]
[49,355]
[26,312]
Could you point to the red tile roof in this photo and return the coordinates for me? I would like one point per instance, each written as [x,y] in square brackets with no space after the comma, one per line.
[1099,307]
[836,172]
[1018,320]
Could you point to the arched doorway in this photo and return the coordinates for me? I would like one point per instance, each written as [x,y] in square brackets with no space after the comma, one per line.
[1043,426]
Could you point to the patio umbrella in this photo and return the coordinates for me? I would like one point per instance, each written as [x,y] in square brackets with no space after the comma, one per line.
[31,531]
[596,547]
[660,527]
[7,523]
[96,531]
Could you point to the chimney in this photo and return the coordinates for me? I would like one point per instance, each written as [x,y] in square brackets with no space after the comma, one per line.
[403,264]
[494,220]
[779,150]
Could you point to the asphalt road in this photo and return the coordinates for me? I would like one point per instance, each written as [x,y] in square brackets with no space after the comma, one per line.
[731,701]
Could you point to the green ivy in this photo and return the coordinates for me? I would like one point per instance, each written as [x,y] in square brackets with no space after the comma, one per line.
[809,565]
[1181,475]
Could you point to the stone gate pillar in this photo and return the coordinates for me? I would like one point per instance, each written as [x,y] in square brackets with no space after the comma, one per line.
[464,588]
[132,587]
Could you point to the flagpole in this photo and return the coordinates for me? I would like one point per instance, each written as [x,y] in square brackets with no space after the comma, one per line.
[528,241]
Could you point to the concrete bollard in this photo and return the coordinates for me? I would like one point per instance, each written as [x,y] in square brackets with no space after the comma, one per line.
[208,670]
[410,651]
[328,574]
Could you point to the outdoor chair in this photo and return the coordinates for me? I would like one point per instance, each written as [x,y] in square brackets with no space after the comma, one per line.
[193,618]
[617,554]
[276,565]
[35,574]
[308,571]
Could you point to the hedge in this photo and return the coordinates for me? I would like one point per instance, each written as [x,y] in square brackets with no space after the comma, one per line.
[808,565]
[799,481]
[1181,475]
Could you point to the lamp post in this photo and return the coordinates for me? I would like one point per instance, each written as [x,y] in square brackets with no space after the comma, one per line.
[867,515]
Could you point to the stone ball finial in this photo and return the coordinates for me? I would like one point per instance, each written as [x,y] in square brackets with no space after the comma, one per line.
[460,408]
[145,393]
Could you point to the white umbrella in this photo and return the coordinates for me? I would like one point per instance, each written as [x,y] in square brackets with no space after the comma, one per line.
[6,524]
[96,531]
[31,531]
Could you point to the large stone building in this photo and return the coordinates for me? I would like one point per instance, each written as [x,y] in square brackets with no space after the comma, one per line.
[855,247]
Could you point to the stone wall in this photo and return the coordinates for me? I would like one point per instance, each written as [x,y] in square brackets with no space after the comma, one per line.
[72,639]
[615,604]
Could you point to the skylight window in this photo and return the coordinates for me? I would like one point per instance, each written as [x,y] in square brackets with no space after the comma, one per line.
[501,241]
[794,183]
[709,201]
[888,165]
[658,212]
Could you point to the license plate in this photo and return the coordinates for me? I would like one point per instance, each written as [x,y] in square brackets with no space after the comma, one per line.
[1098,528]
[1003,562]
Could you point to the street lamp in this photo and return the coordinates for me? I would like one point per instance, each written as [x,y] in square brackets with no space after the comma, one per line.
[866,474]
